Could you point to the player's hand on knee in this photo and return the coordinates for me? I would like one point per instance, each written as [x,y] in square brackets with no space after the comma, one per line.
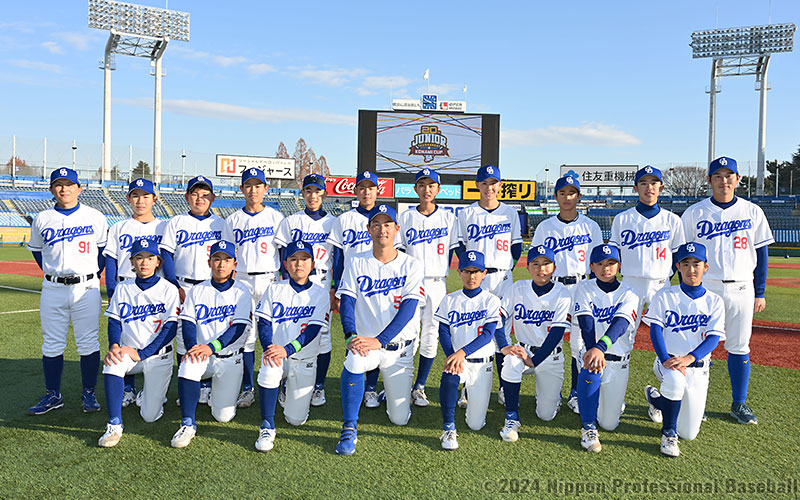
[274,355]
[679,363]
[759,304]
[515,350]
[594,360]
[454,363]
[130,351]
[199,352]
[365,344]
[114,356]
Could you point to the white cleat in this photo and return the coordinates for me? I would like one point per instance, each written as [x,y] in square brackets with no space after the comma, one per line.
[371,399]
[462,401]
[111,437]
[419,398]
[652,412]
[183,437]
[501,397]
[669,446]
[318,397]
[282,396]
[449,441]
[205,395]
[590,440]
[266,439]
[509,432]
[572,403]
[128,397]
[246,398]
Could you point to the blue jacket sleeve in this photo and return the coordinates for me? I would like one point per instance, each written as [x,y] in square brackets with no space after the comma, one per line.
[111,276]
[114,332]
[338,266]
[615,330]
[760,272]
[586,323]
[230,336]
[516,251]
[189,331]
[347,313]
[168,268]
[706,346]
[500,335]
[163,338]
[481,340]
[305,338]
[461,248]
[283,271]
[404,314]
[550,343]
[445,339]
[659,345]
[37,256]
[101,260]
[264,332]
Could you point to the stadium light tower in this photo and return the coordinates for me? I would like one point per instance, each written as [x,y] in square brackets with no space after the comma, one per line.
[135,30]
[742,51]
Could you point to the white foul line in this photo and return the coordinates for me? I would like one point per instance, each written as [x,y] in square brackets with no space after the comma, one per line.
[21,289]
[23,311]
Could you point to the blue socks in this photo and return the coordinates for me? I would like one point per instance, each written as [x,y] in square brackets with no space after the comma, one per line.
[574,384]
[352,390]
[90,365]
[512,399]
[52,372]
[425,365]
[268,398]
[498,359]
[448,397]
[130,382]
[669,410]
[588,396]
[249,361]
[323,362]
[189,394]
[372,379]
[114,388]
[739,370]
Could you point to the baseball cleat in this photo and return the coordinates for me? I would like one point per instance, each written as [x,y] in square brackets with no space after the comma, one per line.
[654,413]
[590,440]
[462,401]
[183,437]
[501,397]
[318,397]
[89,401]
[419,398]
[572,402]
[509,431]
[266,439]
[347,441]
[371,399]
[449,441]
[705,417]
[111,437]
[246,398]
[205,394]
[50,401]
[128,396]
[282,395]
[669,445]
[743,414]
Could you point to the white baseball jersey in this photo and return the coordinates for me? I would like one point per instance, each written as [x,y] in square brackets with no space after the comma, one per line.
[491,233]
[300,227]
[686,321]
[69,243]
[467,317]
[532,316]
[731,237]
[646,245]
[590,300]
[291,312]
[379,289]
[143,313]
[189,239]
[349,233]
[213,312]
[254,235]
[429,239]
[571,242]
[122,235]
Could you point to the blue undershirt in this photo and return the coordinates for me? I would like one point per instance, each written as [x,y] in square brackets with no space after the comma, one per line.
[648,211]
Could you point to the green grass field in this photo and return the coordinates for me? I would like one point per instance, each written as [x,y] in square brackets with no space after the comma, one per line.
[55,455]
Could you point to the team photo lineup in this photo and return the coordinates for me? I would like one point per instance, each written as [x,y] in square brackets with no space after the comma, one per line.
[202,290]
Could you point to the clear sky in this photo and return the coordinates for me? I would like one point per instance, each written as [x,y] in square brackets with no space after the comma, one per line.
[574,82]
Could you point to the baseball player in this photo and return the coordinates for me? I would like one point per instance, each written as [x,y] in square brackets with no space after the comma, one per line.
[492,228]
[538,310]
[571,236]
[736,235]
[686,324]
[67,242]
[142,224]
[185,248]
[253,229]
[313,225]
[430,235]
[647,237]
[379,293]
[142,319]
[606,311]
[291,315]
[468,319]
[215,314]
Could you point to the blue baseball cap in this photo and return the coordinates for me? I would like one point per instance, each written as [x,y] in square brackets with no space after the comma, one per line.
[471,258]
[541,251]
[64,173]
[143,245]
[487,172]
[383,209]
[297,247]
[253,173]
[428,173]
[199,181]
[225,247]
[145,185]
[723,162]
[314,180]
[603,252]
[693,249]
[567,180]
[366,175]
[647,170]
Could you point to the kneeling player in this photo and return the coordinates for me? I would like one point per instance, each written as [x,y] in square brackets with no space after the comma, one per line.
[290,316]
[686,324]
[214,316]
[606,311]
[539,310]
[142,318]
[468,319]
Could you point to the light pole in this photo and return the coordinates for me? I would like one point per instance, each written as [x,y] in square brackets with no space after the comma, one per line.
[74,149]
[183,167]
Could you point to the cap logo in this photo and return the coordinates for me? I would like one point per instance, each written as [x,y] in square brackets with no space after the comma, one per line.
[570,180]
[426,172]
[606,249]
[649,170]
[140,183]
[144,244]
[366,175]
[471,256]
[489,170]
[222,245]
[382,208]
[253,171]
[541,250]
[723,161]
[300,245]
[63,171]
[690,247]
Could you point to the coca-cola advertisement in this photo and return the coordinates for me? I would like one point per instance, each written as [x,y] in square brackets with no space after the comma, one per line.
[345,186]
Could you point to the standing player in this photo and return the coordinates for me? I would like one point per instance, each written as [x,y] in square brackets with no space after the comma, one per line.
[379,294]
[215,314]
[492,228]
[686,324]
[538,310]
[606,311]
[253,229]
[313,225]
[291,315]
[67,242]
[468,319]
[736,234]
[142,319]
[142,224]
[430,235]
[646,236]
[571,236]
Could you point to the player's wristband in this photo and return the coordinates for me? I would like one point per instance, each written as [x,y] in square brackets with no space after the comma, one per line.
[216,345]
[297,346]
[349,336]
[607,341]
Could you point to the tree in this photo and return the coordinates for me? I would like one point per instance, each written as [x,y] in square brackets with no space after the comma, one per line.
[688,180]
[322,165]
[309,165]
[113,174]
[142,169]
[282,152]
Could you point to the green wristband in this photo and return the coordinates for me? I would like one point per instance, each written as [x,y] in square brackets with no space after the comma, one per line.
[606,341]
[216,345]
[297,346]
